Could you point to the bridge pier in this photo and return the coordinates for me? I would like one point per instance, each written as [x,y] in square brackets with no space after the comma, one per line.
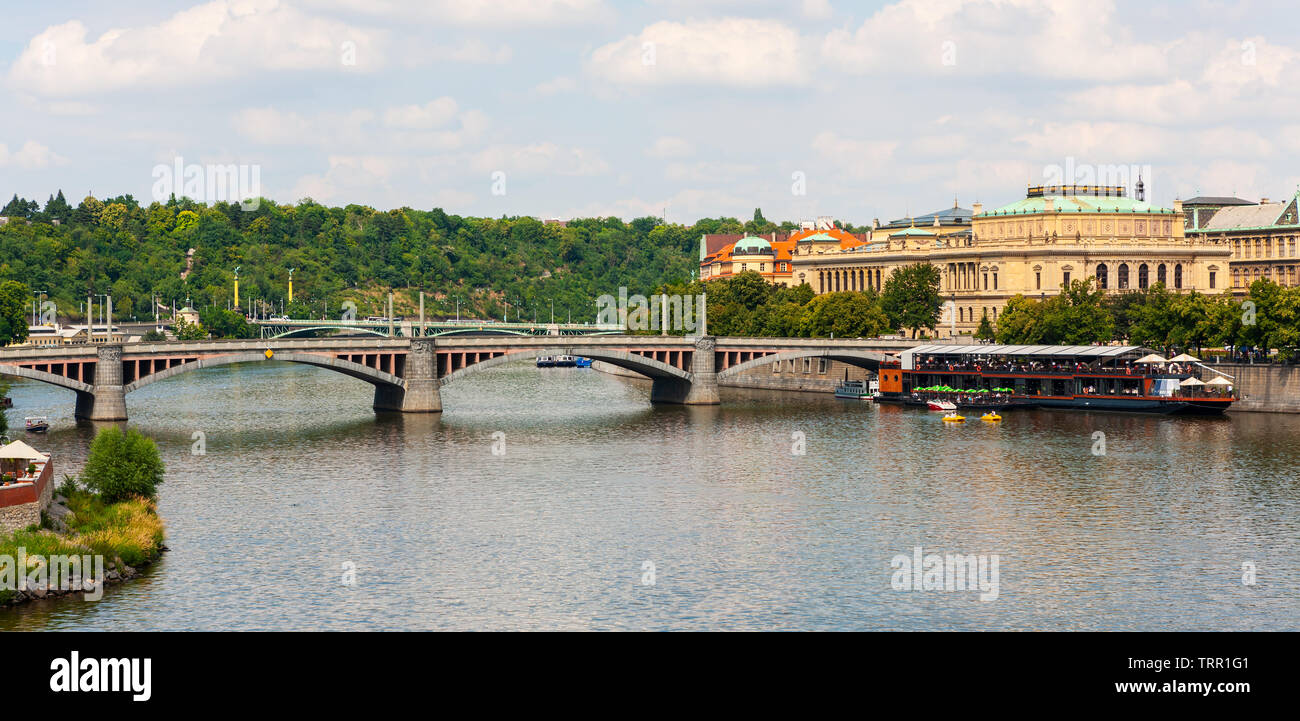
[702,389]
[419,392]
[107,402]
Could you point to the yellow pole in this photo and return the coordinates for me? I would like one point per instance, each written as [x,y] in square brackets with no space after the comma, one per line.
[290,289]
[236,291]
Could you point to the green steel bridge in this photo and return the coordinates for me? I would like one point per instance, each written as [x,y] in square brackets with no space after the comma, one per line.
[271,329]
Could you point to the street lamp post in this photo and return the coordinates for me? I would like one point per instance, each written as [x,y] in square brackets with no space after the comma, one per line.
[35,302]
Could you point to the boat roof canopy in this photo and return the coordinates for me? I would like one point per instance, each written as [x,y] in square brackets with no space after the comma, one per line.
[986,349]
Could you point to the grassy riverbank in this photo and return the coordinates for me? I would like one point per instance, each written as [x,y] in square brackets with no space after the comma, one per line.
[127,532]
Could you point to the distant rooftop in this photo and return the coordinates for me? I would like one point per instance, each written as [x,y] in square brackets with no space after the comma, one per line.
[1215,200]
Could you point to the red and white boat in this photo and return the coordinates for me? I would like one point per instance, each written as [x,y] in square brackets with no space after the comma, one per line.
[935,404]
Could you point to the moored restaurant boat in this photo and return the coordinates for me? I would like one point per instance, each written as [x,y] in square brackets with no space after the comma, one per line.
[545,361]
[1101,378]
[856,390]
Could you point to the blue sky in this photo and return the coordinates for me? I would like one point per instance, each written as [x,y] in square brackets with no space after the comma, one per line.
[705,108]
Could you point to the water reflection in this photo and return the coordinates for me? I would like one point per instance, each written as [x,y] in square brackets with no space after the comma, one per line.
[300,477]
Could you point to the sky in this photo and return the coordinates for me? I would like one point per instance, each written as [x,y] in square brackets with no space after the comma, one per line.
[675,108]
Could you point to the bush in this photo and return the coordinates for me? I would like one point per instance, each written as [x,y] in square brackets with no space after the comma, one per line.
[123,466]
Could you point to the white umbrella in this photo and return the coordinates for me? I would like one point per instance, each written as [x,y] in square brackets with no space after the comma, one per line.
[21,451]
[1183,358]
[1219,381]
[1191,382]
[1151,358]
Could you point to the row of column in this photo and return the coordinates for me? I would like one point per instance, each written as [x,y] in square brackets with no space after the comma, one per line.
[850,279]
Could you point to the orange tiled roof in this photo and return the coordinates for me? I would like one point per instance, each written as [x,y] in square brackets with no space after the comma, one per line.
[847,239]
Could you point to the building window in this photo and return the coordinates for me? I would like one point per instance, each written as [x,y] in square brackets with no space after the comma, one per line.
[1178,276]
[986,281]
[1102,276]
[1065,279]
[744,267]
[821,366]
[995,281]
[1211,280]
[1161,278]
[1121,276]
[1038,281]
[784,267]
[1142,275]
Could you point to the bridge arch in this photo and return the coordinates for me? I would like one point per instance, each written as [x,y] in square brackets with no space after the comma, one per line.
[50,378]
[356,370]
[623,359]
[862,359]
[294,331]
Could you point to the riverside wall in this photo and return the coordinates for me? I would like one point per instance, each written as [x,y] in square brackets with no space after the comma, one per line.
[1260,388]
[1263,388]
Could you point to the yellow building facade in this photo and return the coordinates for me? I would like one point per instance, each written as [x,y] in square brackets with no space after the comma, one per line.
[1033,247]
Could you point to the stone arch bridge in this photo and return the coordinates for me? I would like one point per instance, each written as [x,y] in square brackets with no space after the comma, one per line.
[407,373]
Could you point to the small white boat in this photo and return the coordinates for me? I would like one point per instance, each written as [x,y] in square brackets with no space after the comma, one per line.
[37,424]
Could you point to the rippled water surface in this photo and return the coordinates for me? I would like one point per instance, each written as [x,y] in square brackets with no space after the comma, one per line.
[301,477]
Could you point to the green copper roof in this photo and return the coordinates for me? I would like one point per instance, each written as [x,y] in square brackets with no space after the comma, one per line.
[1077,204]
[910,232]
[751,244]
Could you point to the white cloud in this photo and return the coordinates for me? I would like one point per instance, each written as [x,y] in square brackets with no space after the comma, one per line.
[670,147]
[854,158]
[539,159]
[1055,39]
[31,156]
[438,125]
[555,86]
[737,52]
[481,13]
[709,172]
[817,9]
[217,40]
[433,114]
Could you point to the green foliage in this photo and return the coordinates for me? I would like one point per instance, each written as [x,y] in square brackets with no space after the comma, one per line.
[340,253]
[1075,317]
[985,329]
[911,297]
[222,323]
[185,330]
[153,336]
[123,465]
[747,305]
[15,301]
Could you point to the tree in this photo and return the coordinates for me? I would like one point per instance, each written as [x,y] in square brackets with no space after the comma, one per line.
[185,330]
[1076,316]
[985,331]
[4,421]
[846,314]
[1149,318]
[15,299]
[1020,322]
[222,323]
[123,465]
[911,297]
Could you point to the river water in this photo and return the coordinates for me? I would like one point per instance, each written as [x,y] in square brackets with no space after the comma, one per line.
[561,499]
